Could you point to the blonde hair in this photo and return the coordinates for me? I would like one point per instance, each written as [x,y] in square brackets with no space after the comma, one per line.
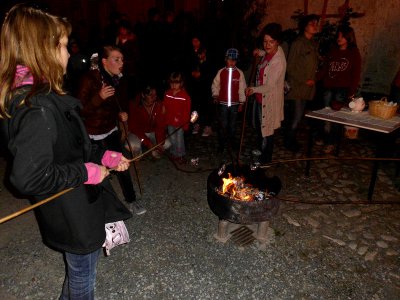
[31,37]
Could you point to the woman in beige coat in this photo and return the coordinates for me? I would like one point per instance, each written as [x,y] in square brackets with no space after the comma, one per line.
[269,89]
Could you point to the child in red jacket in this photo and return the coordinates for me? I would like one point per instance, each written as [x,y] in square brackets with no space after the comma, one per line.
[177,105]
[228,91]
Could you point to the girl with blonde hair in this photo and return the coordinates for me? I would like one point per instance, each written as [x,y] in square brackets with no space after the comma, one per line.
[50,147]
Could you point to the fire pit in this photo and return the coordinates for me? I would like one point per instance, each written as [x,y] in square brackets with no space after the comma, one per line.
[258,205]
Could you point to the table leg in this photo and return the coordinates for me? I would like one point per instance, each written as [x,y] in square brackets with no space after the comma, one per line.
[373,180]
[339,137]
[382,144]
[309,151]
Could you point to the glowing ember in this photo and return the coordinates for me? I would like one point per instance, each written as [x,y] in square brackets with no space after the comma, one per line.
[235,188]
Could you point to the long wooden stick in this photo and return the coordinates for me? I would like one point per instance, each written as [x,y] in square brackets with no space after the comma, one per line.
[29,208]
[125,128]
[323,15]
[243,127]
[256,61]
[26,209]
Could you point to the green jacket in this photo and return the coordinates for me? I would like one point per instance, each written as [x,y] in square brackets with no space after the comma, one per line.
[302,65]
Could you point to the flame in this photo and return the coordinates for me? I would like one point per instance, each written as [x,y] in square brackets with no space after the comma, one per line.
[236,188]
[228,185]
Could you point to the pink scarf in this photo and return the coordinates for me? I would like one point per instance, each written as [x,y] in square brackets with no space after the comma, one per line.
[22,76]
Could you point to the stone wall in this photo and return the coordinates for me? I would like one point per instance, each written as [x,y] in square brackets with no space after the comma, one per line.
[377,33]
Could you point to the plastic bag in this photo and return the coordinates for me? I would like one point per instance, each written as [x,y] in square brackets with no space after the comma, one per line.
[116,234]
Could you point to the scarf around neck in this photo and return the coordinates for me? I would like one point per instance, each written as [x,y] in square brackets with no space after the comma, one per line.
[23,76]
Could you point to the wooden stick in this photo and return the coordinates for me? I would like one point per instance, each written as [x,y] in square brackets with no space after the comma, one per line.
[284,161]
[243,127]
[29,208]
[26,209]
[305,7]
[125,128]
[323,15]
[256,61]
[193,118]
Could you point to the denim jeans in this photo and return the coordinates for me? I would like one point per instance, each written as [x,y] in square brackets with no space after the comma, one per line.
[177,142]
[80,276]
[334,94]
[227,116]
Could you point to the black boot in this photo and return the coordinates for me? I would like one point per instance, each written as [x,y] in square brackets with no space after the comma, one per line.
[267,149]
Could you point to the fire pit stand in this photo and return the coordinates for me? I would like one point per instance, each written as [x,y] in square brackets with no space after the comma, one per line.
[242,234]
[243,221]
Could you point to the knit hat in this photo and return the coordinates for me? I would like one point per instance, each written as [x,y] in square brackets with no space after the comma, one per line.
[232,53]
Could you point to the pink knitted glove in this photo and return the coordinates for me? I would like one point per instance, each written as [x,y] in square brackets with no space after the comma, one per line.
[94,173]
[111,159]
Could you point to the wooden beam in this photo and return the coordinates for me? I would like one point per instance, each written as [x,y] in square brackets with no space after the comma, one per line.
[323,15]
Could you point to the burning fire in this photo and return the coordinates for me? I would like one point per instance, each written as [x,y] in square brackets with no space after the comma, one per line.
[235,188]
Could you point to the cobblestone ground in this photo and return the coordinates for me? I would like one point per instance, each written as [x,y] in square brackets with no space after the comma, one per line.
[326,241]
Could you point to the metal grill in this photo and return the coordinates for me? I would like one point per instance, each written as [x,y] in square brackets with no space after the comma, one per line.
[242,236]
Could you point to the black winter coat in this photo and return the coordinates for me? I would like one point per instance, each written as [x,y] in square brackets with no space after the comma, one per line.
[50,146]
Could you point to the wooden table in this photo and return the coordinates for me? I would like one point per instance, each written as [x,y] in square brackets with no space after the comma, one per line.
[360,120]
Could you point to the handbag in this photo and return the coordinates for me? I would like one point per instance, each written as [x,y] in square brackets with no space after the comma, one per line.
[116,234]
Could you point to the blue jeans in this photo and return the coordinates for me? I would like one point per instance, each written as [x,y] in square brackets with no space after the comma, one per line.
[227,116]
[177,142]
[334,94]
[80,276]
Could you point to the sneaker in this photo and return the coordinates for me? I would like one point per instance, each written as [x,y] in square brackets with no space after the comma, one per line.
[196,129]
[136,208]
[207,131]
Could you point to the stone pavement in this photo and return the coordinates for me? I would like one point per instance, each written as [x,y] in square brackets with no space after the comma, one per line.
[344,216]
[326,242]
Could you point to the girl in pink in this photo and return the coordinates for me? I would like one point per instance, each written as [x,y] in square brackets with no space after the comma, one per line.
[177,105]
